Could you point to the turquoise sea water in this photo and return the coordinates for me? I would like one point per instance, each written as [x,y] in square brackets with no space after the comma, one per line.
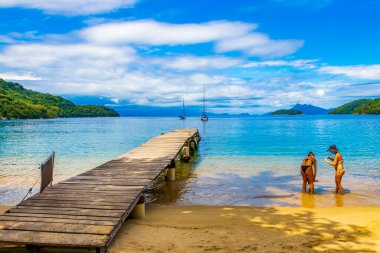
[252,161]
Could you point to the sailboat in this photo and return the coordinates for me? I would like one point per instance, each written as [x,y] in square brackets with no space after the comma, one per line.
[204,116]
[183,115]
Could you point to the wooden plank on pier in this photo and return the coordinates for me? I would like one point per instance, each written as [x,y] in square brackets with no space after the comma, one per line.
[56,227]
[68,220]
[61,216]
[53,239]
[87,210]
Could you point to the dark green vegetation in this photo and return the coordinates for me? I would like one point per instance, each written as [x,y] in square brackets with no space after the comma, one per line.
[19,103]
[360,106]
[287,112]
[310,109]
[371,107]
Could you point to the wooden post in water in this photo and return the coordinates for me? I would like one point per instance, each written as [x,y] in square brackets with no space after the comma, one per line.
[170,172]
[138,211]
[185,153]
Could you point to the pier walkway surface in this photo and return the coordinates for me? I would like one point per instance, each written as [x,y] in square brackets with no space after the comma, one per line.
[87,210]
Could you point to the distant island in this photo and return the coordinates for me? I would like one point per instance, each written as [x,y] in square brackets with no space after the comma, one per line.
[287,112]
[310,109]
[300,109]
[360,106]
[16,102]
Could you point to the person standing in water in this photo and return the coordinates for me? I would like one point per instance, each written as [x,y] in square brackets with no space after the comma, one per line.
[337,163]
[308,176]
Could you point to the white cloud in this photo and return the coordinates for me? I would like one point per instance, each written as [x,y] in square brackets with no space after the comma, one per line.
[110,72]
[35,56]
[190,62]
[321,92]
[16,37]
[301,64]
[6,39]
[202,79]
[69,69]
[258,44]
[115,100]
[228,36]
[150,32]
[9,76]
[358,71]
[30,35]
[69,7]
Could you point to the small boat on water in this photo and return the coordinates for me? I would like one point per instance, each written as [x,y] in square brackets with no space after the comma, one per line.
[183,115]
[204,116]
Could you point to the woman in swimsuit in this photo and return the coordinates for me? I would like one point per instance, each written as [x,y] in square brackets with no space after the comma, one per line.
[307,172]
[337,163]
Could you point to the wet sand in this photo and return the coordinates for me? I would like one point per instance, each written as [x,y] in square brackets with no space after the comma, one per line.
[248,229]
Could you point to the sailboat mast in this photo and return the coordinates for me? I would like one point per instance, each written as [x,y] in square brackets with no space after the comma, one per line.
[204,99]
[204,116]
[183,106]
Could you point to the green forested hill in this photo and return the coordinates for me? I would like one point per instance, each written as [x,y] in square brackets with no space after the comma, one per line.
[371,107]
[287,112]
[19,103]
[360,106]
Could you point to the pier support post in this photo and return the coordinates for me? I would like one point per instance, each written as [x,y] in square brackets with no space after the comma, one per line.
[194,145]
[185,154]
[170,172]
[33,248]
[101,250]
[138,211]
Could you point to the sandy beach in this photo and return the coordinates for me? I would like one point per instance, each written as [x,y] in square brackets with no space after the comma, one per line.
[172,228]
[251,229]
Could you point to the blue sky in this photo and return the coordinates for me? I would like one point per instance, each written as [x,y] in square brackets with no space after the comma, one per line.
[252,56]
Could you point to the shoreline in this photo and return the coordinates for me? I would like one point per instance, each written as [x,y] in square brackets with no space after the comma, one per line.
[195,228]
[167,196]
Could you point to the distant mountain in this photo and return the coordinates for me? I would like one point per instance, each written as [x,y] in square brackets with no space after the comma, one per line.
[287,112]
[244,115]
[360,106]
[310,109]
[16,102]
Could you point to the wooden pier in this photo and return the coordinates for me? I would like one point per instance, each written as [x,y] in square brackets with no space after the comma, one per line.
[87,210]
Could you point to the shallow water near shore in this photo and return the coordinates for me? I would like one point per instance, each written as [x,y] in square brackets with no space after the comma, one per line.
[241,161]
